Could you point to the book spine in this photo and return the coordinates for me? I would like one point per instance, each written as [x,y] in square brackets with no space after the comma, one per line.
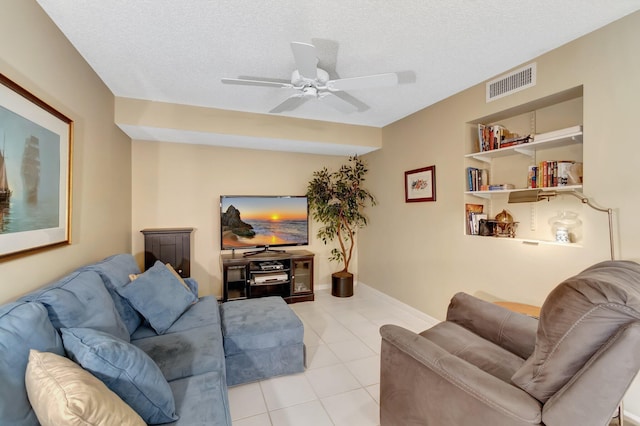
[481,129]
[471,178]
[531,177]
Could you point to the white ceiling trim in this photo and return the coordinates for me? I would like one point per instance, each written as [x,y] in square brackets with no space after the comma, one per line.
[147,133]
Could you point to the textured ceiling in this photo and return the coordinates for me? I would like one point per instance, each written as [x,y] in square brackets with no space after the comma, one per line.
[177,51]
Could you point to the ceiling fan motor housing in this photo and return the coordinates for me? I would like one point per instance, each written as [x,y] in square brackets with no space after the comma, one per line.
[319,82]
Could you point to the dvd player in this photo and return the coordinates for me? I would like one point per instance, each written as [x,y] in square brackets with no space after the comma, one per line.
[265,279]
[271,266]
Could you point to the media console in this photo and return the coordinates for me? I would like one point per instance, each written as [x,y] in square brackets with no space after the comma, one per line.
[287,274]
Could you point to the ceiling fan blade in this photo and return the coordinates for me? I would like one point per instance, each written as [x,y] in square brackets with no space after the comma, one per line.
[327,53]
[357,103]
[306,59]
[378,80]
[338,103]
[268,79]
[244,82]
[289,104]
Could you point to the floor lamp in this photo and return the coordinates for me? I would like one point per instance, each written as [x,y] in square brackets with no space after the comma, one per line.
[535,195]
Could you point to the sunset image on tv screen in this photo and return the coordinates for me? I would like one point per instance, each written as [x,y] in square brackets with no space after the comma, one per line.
[263,221]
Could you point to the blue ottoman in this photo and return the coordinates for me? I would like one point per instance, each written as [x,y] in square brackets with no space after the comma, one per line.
[262,338]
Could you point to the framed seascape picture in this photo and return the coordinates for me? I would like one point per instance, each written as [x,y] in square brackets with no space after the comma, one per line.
[35,172]
[420,185]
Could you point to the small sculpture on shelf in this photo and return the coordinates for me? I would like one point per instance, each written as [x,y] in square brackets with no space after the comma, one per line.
[505,226]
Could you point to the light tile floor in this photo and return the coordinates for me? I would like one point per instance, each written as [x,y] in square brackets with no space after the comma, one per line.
[341,384]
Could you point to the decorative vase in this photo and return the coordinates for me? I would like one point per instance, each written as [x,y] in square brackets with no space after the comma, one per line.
[342,284]
[565,226]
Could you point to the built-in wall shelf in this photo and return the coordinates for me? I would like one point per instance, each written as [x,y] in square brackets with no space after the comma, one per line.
[566,137]
[501,192]
[545,133]
[531,242]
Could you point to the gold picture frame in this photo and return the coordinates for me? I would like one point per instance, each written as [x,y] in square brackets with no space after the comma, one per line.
[36,143]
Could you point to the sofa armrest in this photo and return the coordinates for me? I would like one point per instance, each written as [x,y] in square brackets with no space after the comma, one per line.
[510,330]
[602,381]
[192,284]
[423,383]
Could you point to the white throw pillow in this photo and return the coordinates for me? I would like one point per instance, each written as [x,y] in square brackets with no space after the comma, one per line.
[62,393]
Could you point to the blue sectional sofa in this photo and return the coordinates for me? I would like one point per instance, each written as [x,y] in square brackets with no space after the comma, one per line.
[168,364]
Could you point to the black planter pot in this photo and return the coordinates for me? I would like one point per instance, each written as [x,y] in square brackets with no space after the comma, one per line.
[342,284]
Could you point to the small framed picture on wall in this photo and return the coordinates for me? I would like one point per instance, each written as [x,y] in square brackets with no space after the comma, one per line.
[420,185]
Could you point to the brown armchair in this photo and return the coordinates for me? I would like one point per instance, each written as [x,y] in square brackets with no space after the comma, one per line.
[486,365]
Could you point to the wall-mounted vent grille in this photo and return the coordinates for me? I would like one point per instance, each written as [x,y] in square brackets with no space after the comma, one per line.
[510,83]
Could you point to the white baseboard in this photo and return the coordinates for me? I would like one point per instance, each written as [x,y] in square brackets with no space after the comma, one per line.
[634,418]
[362,287]
[322,287]
[368,290]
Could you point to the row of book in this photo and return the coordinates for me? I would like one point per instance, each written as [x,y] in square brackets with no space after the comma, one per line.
[497,136]
[554,173]
[474,215]
[478,180]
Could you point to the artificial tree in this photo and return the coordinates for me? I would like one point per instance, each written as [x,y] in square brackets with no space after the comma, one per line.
[337,200]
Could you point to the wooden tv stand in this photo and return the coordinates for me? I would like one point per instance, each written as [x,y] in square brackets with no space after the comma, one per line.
[287,274]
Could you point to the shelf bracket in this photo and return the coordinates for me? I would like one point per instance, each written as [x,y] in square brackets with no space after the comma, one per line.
[482,158]
[479,194]
[525,151]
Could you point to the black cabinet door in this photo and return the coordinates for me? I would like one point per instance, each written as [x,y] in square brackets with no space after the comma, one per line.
[168,245]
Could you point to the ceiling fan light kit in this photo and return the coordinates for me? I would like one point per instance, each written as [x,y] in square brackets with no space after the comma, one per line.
[312,82]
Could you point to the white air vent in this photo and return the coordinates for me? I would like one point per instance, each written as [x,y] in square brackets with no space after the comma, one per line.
[513,82]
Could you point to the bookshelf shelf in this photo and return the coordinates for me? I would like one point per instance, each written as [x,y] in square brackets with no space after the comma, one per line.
[572,136]
[531,242]
[490,194]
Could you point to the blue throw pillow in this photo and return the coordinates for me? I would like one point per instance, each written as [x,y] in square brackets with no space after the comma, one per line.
[125,369]
[114,271]
[23,326]
[158,296]
[81,300]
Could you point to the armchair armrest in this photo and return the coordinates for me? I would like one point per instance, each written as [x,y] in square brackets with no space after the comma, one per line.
[602,381]
[421,383]
[513,331]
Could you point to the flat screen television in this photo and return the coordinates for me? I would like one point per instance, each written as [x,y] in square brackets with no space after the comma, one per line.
[260,221]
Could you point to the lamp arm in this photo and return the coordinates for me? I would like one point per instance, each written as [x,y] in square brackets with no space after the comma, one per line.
[609,212]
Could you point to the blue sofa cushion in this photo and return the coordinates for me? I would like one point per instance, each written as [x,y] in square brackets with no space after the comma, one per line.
[125,369]
[203,313]
[202,400]
[23,326]
[81,300]
[158,296]
[187,353]
[115,271]
[255,324]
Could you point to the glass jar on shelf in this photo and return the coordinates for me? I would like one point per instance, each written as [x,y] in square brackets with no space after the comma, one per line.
[565,226]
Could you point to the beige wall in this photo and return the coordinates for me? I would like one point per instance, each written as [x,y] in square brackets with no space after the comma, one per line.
[34,54]
[417,252]
[179,185]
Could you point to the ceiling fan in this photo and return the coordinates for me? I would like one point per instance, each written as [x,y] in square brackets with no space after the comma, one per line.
[311,82]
